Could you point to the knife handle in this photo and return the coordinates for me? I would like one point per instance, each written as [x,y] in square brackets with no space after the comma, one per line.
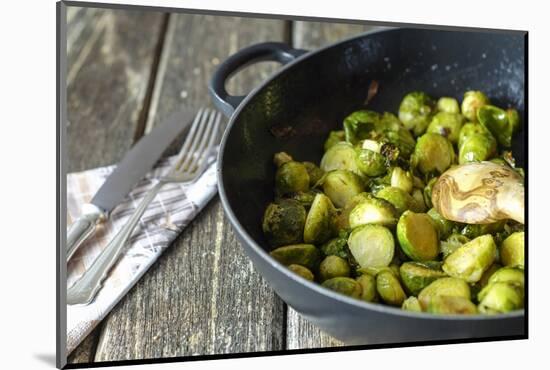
[83,227]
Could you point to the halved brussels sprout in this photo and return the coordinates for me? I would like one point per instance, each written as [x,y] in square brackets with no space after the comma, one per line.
[502,124]
[428,192]
[340,156]
[411,304]
[340,186]
[449,105]
[447,286]
[417,236]
[283,222]
[470,260]
[415,111]
[302,271]
[512,250]
[305,198]
[358,125]
[336,247]
[372,211]
[389,289]
[375,270]
[401,179]
[334,137]
[447,125]
[319,225]
[473,100]
[433,153]
[475,144]
[342,219]
[417,275]
[291,177]
[368,285]
[397,197]
[370,163]
[372,245]
[449,305]
[418,205]
[344,285]
[475,230]
[333,266]
[500,297]
[444,227]
[509,275]
[306,255]
[314,172]
[487,274]
[453,242]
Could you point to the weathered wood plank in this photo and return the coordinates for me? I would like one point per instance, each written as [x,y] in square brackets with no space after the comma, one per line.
[202,296]
[105,93]
[312,35]
[110,60]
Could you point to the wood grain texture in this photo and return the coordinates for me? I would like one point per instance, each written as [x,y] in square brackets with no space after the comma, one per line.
[302,334]
[110,59]
[203,295]
[85,352]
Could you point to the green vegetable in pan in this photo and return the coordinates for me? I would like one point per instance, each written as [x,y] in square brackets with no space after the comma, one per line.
[433,153]
[341,185]
[473,100]
[415,111]
[283,222]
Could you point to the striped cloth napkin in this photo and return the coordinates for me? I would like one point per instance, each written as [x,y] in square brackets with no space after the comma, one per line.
[168,214]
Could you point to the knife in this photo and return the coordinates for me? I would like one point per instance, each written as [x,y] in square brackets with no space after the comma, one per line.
[135,164]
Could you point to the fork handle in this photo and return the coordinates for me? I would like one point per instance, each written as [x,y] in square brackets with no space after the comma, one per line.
[85,289]
[83,227]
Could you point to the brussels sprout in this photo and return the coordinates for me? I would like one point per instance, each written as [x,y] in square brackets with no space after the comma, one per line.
[401,179]
[340,186]
[283,222]
[372,245]
[342,219]
[476,147]
[280,158]
[298,254]
[336,247]
[444,227]
[433,153]
[473,100]
[417,236]
[418,205]
[319,225]
[446,286]
[344,285]
[471,260]
[334,137]
[428,192]
[487,274]
[375,270]
[302,271]
[368,285]
[448,105]
[500,297]
[389,289]
[453,242]
[471,129]
[417,275]
[359,124]
[449,305]
[497,121]
[401,200]
[508,275]
[305,198]
[291,177]
[370,163]
[314,172]
[389,129]
[512,250]
[340,156]
[415,111]
[475,230]
[447,125]
[333,266]
[373,211]
[411,304]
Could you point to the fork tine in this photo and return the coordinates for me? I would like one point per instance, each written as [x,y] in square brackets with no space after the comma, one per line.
[194,152]
[185,147]
[184,164]
[203,156]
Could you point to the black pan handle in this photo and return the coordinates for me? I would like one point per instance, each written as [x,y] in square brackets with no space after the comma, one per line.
[273,51]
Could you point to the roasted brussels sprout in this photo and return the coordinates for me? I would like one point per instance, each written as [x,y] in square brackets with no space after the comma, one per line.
[302,271]
[502,124]
[487,275]
[448,105]
[370,163]
[336,247]
[373,211]
[475,230]
[283,222]
[453,242]
[446,286]
[344,285]
[433,153]
[415,111]
[305,198]
[340,186]
[280,158]
[449,305]
[306,255]
[475,144]
[418,205]
[417,236]
[342,219]
[341,156]
[447,125]
[400,200]
[411,304]
[417,275]
[319,225]
[372,245]
[314,172]
[473,100]
[444,227]
[401,179]
[291,177]
[389,289]
[368,285]
[500,297]
[375,270]
[333,266]
[512,250]
[428,192]
[334,137]
[470,260]
[359,125]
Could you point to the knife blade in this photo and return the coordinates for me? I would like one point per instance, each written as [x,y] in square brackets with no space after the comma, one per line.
[135,164]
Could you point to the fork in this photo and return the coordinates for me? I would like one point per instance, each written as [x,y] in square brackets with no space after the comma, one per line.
[189,165]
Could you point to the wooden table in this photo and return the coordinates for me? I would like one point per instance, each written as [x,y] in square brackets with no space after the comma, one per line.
[127,70]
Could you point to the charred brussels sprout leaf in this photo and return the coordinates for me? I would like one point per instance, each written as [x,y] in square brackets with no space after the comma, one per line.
[283,222]
[473,100]
[319,225]
[298,254]
[291,177]
[415,111]
[344,285]
[340,186]
[470,260]
[302,271]
[417,236]
[433,153]
[372,245]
